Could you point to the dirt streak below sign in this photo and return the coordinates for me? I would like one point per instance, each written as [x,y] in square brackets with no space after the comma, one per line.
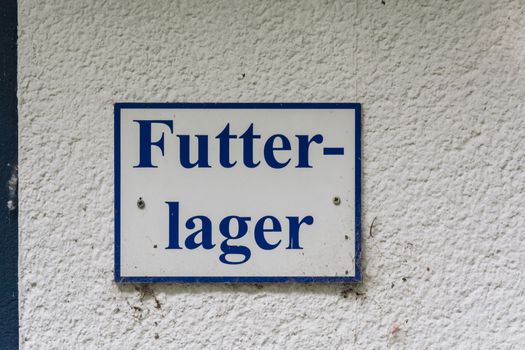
[237,192]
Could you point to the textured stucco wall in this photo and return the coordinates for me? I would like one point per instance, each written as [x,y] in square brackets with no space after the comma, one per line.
[443,88]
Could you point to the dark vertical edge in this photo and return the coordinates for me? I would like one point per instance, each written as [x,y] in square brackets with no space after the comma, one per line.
[116,127]
[8,176]
[358,276]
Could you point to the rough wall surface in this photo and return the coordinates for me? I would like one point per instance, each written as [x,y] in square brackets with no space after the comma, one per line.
[443,87]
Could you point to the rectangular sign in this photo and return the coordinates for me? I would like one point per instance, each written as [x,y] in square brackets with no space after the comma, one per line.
[237,192]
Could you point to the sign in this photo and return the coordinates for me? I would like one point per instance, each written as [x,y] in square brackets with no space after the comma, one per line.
[237,192]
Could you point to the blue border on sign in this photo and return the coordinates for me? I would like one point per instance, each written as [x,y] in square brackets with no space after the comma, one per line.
[241,279]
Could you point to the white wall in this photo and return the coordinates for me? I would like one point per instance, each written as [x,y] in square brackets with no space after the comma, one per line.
[443,88]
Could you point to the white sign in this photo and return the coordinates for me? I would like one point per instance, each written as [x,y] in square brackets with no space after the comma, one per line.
[237,192]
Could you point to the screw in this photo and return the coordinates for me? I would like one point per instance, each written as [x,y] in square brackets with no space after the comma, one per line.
[141,204]
[337,200]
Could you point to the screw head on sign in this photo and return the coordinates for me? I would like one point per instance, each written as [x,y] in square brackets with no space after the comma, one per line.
[337,200]
[141,204]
